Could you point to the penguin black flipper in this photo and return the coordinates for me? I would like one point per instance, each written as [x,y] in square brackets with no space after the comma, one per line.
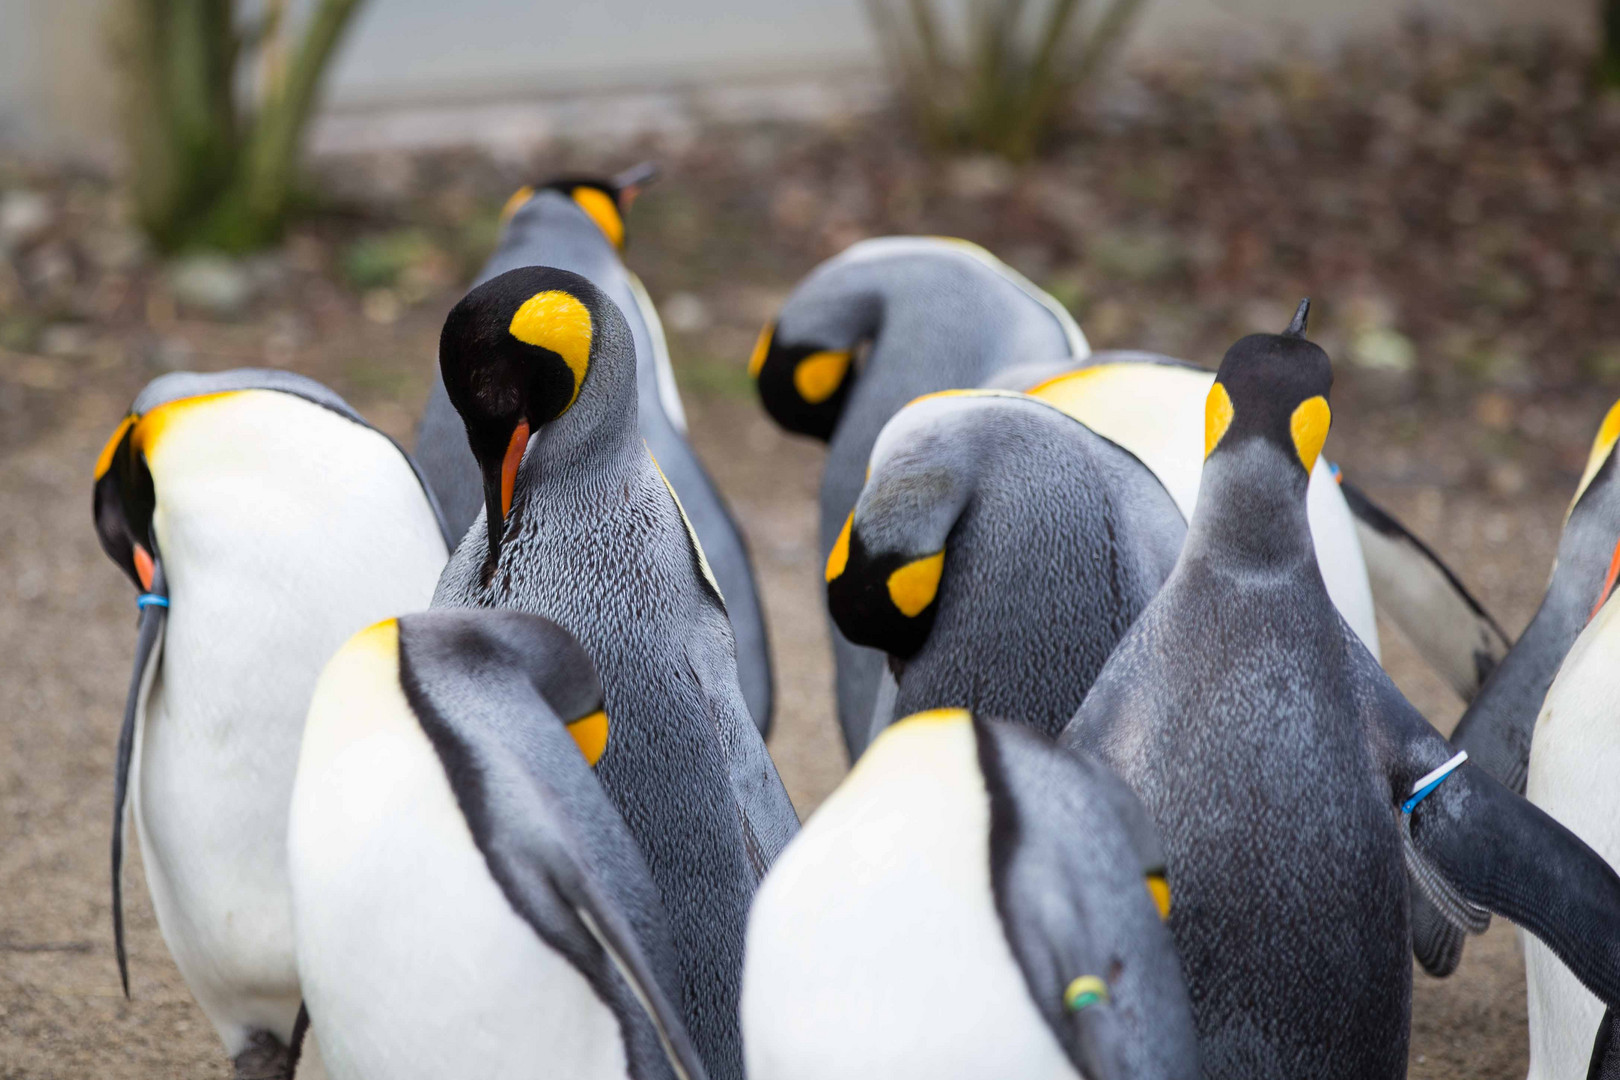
[1495,851]
[148,647]
[1411,584]
[552,839]
[1041,864]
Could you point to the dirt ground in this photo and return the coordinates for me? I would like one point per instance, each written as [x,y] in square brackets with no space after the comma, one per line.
[1453,209]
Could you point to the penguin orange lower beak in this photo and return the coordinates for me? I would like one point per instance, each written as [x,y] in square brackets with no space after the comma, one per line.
[498,492]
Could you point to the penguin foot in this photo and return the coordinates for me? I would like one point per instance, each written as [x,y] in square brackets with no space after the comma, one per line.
[264,1059]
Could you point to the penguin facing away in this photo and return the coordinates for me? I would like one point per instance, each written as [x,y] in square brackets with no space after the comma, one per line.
[1293,786]
[578,224]
[580,527]
[882,323]
[263,521]
[1573,758]
[1497,726]
[452,855]
[998,552]
[970,902]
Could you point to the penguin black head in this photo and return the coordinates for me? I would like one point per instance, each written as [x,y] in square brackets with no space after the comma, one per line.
[803,385]
[124,501]
[515,353]
[1272,387]
[605,200]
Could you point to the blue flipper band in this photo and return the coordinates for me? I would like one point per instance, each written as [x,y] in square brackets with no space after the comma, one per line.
[1421,789]
[1333,471]
[151,599]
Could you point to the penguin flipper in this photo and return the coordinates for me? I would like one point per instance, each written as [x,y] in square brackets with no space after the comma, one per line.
[148,642]
[1605,1050]
[1500,852]
[1437,942]
[1410,584]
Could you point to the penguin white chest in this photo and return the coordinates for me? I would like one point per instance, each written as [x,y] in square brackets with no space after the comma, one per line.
[1574,758]
[874,945]
[413,963]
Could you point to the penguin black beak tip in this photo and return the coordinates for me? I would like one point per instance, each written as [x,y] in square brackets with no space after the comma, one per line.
[1302,315]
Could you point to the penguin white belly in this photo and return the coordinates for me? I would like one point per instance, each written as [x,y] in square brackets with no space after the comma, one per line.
[269,571]
[413,963]
[874,944]
[1574,757]
[1156,411]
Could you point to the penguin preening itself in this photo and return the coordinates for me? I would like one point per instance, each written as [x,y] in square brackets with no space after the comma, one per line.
[264,522]
[970,902]
[1497,726]
[998,551]
[1293,786]
[580,527]
[467,900]
[578,225]
[870,329]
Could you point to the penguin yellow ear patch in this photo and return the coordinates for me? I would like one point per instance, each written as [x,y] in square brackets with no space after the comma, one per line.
[515,202]
[561,322]
[820,374]
[600,208]
[1159,889]
[591,734]
[762,349]
[1218,413]
[914,585]
[1309,427]
[1608,434]
[105,459]
[838,557]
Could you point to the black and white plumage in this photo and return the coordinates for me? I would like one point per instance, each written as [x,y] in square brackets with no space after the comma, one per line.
[467,900]
[886,321]
[578,225]
[946,911]
[1272,754]
[586,532]
[265,522]
[998,552]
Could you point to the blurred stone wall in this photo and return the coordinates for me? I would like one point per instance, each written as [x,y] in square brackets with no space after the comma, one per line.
[58,84]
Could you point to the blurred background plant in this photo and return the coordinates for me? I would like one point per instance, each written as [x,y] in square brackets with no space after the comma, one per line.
[995,77]
[216,110]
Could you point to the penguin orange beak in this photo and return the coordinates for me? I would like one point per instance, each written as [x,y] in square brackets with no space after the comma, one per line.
[498,491]
[1608,582]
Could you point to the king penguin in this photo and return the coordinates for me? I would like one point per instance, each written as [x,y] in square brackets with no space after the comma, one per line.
[1291,783]
[263,522]
[580,526]
[1497,726]
[467,900]
[578,224]
[998,552]
[884,322]
[971,902]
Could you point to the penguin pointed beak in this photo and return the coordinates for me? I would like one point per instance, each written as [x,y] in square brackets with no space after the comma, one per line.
[498,488]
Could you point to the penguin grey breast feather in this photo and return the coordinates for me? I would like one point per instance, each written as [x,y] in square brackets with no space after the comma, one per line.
[1251,722]
[1052,540]
[589,535]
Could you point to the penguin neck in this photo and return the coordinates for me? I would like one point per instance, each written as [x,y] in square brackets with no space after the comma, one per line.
[590,444]
[1251,514]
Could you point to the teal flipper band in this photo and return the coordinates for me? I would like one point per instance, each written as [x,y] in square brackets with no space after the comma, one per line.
[151,599]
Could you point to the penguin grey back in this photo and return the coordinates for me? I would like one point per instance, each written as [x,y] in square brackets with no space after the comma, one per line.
[1045,540]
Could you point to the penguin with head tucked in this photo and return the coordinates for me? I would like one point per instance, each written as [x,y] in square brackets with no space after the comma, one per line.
[264,522]
[578,224]
[1293,786]
[997,553]
[970,902]
[878,325]
[1496,728]
[580,526]
[453,857]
